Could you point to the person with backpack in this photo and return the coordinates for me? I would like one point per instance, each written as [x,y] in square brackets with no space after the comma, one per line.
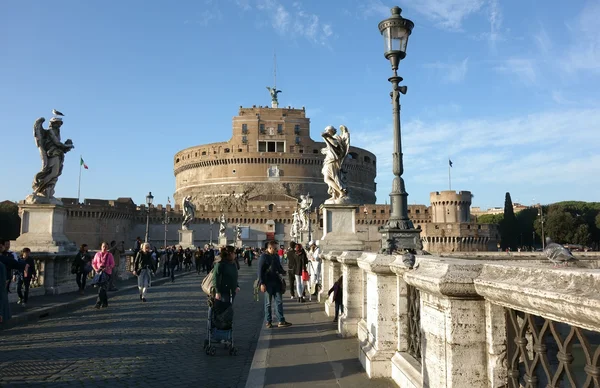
[338,292]
[270,283]
[81,267]
[248,256]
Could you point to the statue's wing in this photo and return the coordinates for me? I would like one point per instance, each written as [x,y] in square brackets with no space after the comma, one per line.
[344,140]
[38,135]
[38,132]
[269,88]
[278,91]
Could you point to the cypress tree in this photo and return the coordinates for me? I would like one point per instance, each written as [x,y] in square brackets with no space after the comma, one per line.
[509,226]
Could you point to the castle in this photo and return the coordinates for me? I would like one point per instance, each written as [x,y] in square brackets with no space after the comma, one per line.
[256,179]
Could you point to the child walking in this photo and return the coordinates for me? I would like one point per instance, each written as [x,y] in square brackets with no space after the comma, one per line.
[337,291]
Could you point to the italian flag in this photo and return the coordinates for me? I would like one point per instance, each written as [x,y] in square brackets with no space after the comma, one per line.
[82,163]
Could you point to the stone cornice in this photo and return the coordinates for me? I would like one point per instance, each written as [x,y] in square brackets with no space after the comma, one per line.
[398,267]
[376,263]
[570,295]
[445,277]
[349,258]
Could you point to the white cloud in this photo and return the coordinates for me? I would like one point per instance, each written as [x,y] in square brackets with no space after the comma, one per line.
[495,19]
[535,148]
[584,52]
[451,72]
[297,22]
[523,68]
[447,14]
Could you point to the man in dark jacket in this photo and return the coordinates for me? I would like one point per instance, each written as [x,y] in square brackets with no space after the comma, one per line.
[291,260]
[269,270]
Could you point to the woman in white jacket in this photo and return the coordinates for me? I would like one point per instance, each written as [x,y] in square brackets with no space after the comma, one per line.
[314,267]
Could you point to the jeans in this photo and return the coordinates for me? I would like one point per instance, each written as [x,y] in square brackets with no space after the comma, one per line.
[20,283]
[278,307]
[102,295]
[292,280]
[166,268]
[338,308]
[173,272]
[299,286]
[81,278]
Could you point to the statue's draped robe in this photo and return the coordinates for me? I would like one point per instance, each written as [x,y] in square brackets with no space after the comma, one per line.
[45,180]
[332,165]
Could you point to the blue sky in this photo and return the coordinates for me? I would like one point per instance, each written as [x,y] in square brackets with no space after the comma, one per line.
[508,90]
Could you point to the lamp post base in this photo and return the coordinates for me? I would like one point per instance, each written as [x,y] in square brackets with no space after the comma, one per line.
[396,239]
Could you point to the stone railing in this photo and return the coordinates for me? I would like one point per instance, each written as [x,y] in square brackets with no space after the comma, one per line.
[470,323]
[54,273]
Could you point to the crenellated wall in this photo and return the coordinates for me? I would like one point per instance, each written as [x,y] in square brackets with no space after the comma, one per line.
[451,206]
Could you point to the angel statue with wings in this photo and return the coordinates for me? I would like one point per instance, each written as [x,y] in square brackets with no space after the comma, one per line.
[306,202]
[336,151]
[189,212]
[274,92]
[52,153]
[222,225]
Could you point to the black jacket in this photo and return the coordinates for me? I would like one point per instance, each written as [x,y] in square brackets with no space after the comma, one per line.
[300,262]
[143,260]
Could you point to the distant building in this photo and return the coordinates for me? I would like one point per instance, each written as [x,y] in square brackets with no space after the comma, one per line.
[477,211]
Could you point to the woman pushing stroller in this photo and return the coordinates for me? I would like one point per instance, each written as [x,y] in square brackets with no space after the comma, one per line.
[225,276]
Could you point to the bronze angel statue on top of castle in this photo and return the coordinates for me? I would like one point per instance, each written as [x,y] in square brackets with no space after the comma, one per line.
[52,153]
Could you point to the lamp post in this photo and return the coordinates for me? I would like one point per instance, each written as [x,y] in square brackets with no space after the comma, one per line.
[399,232]
[211,224]
[541,215]
[309,199]
[149,199]
[166,222]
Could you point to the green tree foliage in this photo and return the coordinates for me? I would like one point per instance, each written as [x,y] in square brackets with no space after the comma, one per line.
[10,222]
[509,227]
[571,222]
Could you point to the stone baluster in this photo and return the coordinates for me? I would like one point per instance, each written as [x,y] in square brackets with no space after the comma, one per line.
[453,343]
[333,274]
[377,332]
[325,268]
[406,370]
[352,294]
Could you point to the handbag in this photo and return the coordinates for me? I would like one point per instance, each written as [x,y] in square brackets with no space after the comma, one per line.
[305,275]
[207,285]
[100,279]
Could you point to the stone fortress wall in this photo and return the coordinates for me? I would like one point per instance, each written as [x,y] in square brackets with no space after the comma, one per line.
[96,220]
[270,151]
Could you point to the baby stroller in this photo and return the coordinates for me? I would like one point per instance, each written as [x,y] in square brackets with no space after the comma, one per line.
[219,327]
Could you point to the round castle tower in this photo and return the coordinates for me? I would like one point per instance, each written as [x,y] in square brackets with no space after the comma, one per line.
[270,152]
[450,206]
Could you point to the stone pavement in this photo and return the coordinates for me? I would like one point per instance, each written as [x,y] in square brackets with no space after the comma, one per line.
[130,343]
[307,354]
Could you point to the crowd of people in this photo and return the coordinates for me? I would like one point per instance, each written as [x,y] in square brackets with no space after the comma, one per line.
[303,271]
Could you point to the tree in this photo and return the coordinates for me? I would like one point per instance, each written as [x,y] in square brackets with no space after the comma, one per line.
[509,227]
[10,222]
[490,218]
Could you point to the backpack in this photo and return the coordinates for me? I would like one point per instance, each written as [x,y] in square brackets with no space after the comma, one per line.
[257,281]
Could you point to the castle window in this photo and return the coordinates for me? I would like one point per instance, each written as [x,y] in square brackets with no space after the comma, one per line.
[240,150]
[296,129]
[297,139]
[244,129]
[301,150]
[417,211]
[244,139]
[382,211]
[177,160]
[315,151]
[203,153]
[262,129]
[408,211]
[271,146]
[367,159]
[271,207]
[353,155]
[227,150]
[279,129]
[196,154]
[280,146]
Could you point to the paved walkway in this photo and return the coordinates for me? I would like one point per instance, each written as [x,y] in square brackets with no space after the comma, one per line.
[159,343]
[307,354]
[130,343]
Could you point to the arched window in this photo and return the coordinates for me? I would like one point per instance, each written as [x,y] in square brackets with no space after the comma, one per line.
[271,207]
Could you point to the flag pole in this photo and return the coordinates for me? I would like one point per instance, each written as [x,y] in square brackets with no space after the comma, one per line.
[449,175]
[79,185]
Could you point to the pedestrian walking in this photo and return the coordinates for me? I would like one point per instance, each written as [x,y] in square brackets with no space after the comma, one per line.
[337,290]
[225,275]
[81,267]
[173,263]
[299,268]
[103,262]
[143,267]
[4,306]
[291,262]
[269,278]
[25,277]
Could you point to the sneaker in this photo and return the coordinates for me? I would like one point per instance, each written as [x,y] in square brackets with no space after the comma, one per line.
[20,301]
[292,297]
[284,324]
[269,325]
[143,299]
[97,305]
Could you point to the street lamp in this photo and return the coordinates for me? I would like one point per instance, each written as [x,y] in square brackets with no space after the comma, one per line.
[166,222]
[541,215]
[309,199]
[399,231]
[211,224]
[149,199]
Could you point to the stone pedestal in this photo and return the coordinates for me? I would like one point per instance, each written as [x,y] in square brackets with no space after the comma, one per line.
[222,241]
[379,344]
[352,295]
[402,238]
[42,229]
[339,229]
[186,238]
